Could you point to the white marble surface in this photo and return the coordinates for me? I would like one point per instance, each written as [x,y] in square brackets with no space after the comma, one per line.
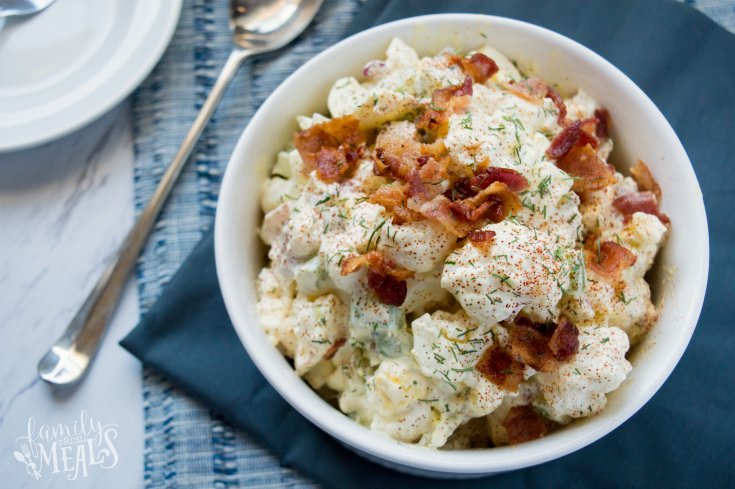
[64,208]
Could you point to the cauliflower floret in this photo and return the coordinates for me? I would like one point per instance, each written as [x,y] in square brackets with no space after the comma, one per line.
[419,246]
[424,290]
[273,223]
[378,328]
[274,311]
[523,268]
[643,234]
[447,347]
[306,122]
[346,231]
[507,70]
[577,388]
[397,394]
[318,326]
[400,85]
[411,407]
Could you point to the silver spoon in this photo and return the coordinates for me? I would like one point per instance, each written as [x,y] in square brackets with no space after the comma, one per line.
[9,8]
[258,26]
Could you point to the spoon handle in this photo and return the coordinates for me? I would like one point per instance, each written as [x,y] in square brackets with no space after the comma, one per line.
[70,356]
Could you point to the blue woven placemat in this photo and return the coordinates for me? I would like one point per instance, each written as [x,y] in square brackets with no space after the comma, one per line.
[186,445]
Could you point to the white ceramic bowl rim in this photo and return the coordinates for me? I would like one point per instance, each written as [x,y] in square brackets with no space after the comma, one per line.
[308,403]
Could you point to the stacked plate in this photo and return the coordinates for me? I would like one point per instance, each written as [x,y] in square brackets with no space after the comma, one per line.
[69,64]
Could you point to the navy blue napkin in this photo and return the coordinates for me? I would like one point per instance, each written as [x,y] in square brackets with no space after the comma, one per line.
[684,436]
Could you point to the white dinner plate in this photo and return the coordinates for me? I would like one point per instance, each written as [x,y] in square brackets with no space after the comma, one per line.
[69,64]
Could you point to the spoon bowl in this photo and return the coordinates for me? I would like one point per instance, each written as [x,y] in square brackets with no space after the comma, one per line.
[9,8]
[258,26]
[266,26]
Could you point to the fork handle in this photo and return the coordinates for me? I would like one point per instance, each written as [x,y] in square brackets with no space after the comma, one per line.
[81,340]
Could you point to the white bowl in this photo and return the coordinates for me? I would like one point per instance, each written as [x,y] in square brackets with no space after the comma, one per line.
[640,131]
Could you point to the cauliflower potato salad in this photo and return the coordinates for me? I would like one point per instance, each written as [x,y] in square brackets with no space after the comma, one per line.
[452,261]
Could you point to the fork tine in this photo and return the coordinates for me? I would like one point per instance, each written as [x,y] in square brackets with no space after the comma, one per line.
[25,450]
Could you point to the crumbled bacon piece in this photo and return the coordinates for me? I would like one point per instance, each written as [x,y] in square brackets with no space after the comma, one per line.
[469,187]
[607,259]
[587,138]
[393,198]
[565,140]
[388,283]
[397,154]
[445,101]
[644,178]
[590,124]
[564,341]
[460,216]
[481,239]
[500,368]
[438,210]
[532,347]
[332,147]
[559,103]
[532,89]
[592,173]
[478,66]
[523,424]
[511,178]
[333,349]
[602,130]
[547,328]
[416,185]
[535,90]
[390,291]
[639,202]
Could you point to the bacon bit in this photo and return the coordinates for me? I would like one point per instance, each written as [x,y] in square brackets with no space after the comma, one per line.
[397,156]
[500,368]
[449,99]
[532,347]
[565,340]
[390,291]
[583,162]
[547,329]
[376,261]
[587,138]
[478,66]
[438,210]
[523,424]
[610,259]
[333,349]
[644,178]
[388,283]
[481,239]
[639,202]
[565,140]
[469,187]
[535,90]
[332,147]
[602,130]
[532,89]
[589,124]
[559,103]
[473,208]
[511,178]
[460,217]
[393,198]
[416,188]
